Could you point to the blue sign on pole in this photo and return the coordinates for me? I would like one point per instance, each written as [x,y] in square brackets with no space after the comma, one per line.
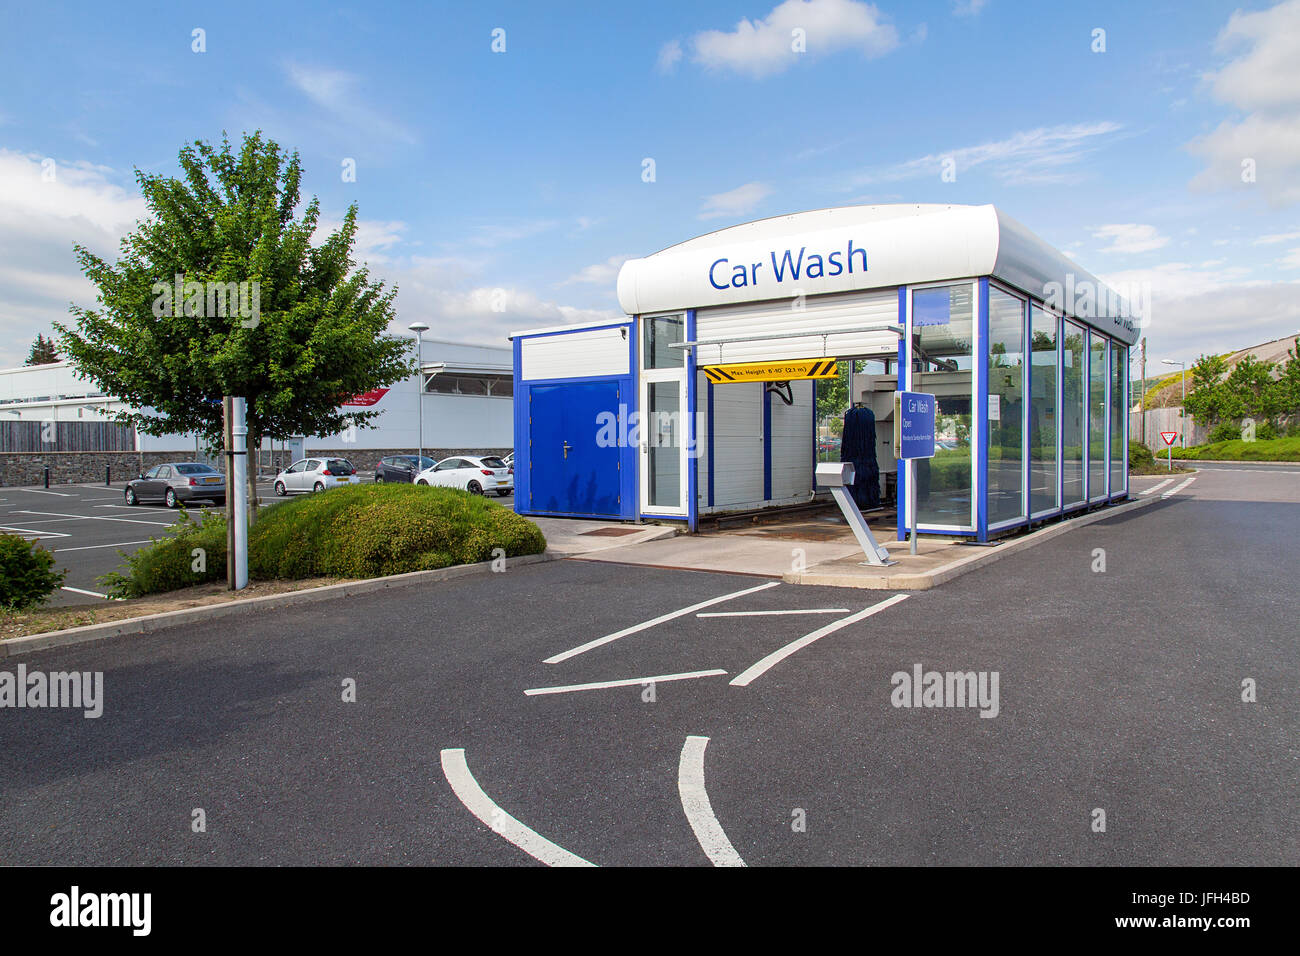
[913,425]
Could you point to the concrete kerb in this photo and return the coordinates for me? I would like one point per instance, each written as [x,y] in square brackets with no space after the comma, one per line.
[149,623]
[925,581]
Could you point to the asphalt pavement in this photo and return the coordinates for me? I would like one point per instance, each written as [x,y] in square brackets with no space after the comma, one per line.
[689,718]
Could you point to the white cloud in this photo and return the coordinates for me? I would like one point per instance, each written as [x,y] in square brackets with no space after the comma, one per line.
[40,220]
[1264,83]
[1276,237]
[763,47]
[338,93]
[1037,155]
[1291,260]
[1196,311]
[736,202]
[669,56]
[1130,237]
[968,8]
[602,273]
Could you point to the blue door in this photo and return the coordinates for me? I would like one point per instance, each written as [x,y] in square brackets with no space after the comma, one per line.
[569,472]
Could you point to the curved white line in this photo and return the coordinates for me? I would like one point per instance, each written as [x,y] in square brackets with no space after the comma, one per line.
[699,812]
[497,820]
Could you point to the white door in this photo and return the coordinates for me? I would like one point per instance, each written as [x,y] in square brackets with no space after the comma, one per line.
[663,430]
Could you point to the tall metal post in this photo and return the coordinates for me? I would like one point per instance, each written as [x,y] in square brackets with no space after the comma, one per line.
[239,432]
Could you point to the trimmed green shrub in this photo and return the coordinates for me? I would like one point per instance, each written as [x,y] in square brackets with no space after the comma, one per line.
[27,575]
[1225,431]
[1139,456]
[365,531]
[188,553]
[1276,449]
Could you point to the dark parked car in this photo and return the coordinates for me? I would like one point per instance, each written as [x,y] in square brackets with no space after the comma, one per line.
[401,467]
[176,481]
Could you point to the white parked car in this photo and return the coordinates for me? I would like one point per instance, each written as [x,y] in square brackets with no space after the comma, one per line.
[473,474]
[315,474]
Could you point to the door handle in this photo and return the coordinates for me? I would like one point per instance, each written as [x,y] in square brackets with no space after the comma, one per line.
[567,446]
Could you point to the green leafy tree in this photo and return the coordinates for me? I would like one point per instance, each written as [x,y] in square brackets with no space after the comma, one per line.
[42,351]
[221,292]
[1208,399]
[1287,386]
[833,397]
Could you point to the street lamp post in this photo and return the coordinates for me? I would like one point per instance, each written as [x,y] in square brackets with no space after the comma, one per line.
[1182,410]
[419,328]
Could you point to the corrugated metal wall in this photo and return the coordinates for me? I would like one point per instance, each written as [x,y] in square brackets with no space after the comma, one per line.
[792,444]
[821,313]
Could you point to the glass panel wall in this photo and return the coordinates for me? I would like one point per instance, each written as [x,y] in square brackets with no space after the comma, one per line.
[1098,373]
[1043,418]
[658,334]
[1006,408]
[664,444]
[943,334]
[1072,414]
[1118,413]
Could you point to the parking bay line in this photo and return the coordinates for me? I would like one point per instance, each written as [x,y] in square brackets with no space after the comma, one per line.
[1177,488]
[811,610]
[38,491]
[755,671]
[55,514]
[1154,488]
[92,547]
[699,812]
[87,593]
[497,820]
[582,649]
[39,534]
[624,682]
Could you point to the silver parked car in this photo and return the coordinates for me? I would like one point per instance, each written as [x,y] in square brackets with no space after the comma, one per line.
[315,474]
[175,482]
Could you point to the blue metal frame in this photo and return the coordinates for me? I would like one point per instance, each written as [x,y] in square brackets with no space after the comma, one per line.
[710,393]
[692,447]
[767,442]
[979,418]
[904,382]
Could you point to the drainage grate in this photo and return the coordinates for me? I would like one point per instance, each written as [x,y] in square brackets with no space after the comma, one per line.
[611,532]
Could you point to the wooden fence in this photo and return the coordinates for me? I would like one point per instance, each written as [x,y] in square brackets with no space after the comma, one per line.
[51,436]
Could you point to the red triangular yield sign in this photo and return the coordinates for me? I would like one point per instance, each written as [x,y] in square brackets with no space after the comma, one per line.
[1169,437]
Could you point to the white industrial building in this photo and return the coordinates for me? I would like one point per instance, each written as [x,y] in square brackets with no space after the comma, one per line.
[467,406]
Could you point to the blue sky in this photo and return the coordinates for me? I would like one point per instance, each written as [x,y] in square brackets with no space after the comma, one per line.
[500,190]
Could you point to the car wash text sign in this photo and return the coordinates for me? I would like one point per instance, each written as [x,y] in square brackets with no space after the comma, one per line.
[913,425]
[787,266]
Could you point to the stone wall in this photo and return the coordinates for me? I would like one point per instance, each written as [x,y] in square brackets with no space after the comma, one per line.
[27,469]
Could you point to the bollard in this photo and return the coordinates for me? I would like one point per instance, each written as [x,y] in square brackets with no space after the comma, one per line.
[108,475]
[47,476]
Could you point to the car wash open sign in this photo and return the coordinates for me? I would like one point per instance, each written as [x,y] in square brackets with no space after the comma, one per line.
[771,371]
[913,425]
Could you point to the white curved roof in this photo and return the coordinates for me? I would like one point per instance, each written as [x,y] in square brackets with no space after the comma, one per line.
[850,248]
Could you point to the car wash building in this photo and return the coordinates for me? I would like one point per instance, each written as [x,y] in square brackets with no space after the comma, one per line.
[703,399]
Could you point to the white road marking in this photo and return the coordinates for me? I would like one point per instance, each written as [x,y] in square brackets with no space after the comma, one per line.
[497,820]
[598,642]
[699,812]
[814,610]
[625,682]
[61,494]
[87,593]
[1177,488]
[1154,488]
[757,670]
[38,534]
[91,547]
[55,514]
